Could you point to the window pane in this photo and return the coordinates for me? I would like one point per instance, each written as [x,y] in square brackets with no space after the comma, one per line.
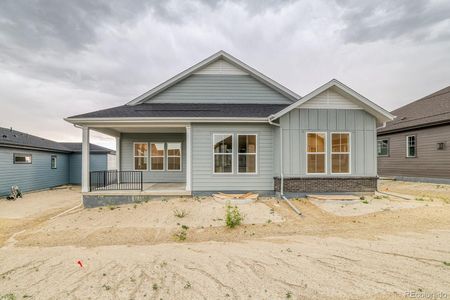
[22,158]
[247,144]
[383,147]
[247,163]
[174,149]
[140,163]
[316,163]
[340,163]
[222,163]
[340,142]
[53,162]
[316,142]
[157,149]
[157,163]
[223,143]
[140,149]
[174,163]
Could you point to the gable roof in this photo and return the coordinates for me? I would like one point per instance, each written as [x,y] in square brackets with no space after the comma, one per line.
[381,114]
[183,110]
[17,139]
[213,58]
[430,110]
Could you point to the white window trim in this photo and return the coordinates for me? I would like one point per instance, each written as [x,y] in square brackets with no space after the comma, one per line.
[325,152]
[232,154]
[56,162]
[134,156]
[407,146]
[256,154]
[163,156]
[22,163]
[388,147]
[181,156]
[349,152]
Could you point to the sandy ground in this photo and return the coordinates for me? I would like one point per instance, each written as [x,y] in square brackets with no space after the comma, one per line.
[421,191]
[130,252]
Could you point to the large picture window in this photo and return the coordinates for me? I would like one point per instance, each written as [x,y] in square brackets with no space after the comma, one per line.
[20,158]
[411,146]
[157,156]
[223,153]
[174,156]
[247,153]
[383,147]
[316,153]
[140,156]
[340,153]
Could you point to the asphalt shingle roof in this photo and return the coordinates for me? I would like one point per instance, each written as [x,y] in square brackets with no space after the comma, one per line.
[181,110]
[11,138]
[427,111]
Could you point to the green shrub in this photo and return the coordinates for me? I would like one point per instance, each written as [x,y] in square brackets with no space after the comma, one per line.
[233,217]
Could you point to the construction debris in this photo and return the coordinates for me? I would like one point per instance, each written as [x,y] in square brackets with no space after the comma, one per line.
[236,198]
[15,193]
[333,197]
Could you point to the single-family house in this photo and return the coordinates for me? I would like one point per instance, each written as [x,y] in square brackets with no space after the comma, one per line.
[223,126]
[35,163]
[416,145]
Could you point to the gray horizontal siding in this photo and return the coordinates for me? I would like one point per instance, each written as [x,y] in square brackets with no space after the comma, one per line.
[97,162]
[127,158]
[429,163]
[220,89]
[203,178]
[295,125]
[35,176]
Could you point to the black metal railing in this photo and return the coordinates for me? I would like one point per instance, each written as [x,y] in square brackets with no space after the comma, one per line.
[113,180]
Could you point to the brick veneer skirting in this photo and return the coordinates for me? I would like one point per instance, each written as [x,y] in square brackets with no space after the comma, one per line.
[327,184]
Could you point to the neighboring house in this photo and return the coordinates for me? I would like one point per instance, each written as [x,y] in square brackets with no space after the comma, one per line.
[416,145]
[223,126]
[34,163]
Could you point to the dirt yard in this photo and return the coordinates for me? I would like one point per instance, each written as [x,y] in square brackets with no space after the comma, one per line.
[378,247]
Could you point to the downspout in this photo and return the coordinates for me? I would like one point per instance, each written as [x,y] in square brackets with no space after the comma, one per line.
[281,168]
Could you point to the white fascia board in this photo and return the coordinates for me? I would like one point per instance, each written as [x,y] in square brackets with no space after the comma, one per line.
[380,113]
[181,121]
[219,55]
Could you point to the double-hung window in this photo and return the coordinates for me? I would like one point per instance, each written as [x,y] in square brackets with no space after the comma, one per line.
[174,156]
[247,153]
[340,153]
[157,156]
[316,152]
[223,153]
[411,146]
[383,147]
[140,156]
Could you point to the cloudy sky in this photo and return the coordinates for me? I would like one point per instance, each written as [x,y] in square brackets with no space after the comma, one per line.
[62,58]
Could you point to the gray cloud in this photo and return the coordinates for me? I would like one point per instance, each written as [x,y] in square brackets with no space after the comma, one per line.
[379,20]
[61,58]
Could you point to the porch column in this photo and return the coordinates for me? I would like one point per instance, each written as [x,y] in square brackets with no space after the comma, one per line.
[188,158]
[118,153]
[85,153]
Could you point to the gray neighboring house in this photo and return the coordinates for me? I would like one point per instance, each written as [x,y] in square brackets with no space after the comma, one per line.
[416,145]
[223,126]
[35,163]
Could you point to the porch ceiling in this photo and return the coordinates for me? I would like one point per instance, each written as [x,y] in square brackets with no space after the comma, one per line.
[116,130]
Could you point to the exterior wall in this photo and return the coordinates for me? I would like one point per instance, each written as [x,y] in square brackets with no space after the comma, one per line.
[360,124]
[97,162]
[126,155]
[220,89]
[203,178]
[301,186]
[35,176]
[429,162]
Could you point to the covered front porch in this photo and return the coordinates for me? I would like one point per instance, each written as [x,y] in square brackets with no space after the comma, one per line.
[151,160]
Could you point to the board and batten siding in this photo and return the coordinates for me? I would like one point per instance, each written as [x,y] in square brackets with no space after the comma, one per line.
[127,155]
[429,161]
[97,162]
[203,177]
[35,176]
[296,123]
[220,89]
